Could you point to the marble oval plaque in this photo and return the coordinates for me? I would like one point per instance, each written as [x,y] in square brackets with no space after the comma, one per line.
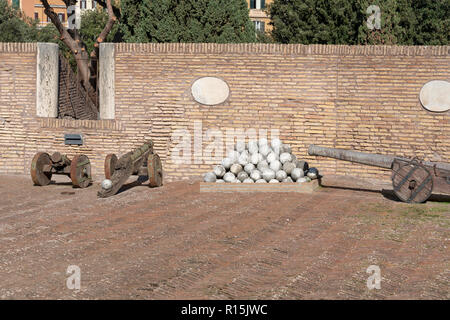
[210,91]
[435,96]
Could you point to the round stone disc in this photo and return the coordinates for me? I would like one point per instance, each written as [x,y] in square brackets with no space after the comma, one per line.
[155,172]
[80,171]
[435,96]
[38,175]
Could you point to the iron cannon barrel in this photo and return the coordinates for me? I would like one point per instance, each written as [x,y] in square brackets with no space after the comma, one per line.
[370,159]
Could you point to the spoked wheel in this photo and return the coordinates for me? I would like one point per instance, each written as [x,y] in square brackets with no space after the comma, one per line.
[412,183]
[80,171]
[155,172]
[110,165]
[40,169]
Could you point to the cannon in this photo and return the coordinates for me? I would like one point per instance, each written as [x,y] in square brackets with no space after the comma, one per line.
[413,180]
[43,166]
[139,162]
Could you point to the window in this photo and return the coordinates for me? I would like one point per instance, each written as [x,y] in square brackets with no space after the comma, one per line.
[16,4]
[36,16]
[257,4]
[94,4]
[82,4]
[62,17]
[260,26]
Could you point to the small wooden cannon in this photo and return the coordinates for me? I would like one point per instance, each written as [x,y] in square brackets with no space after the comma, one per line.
[43,166]
[413,180]
[140,162]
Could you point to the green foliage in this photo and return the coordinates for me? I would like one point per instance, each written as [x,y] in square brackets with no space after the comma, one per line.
[14,26]
[403,22]
[92,24]
[221,21]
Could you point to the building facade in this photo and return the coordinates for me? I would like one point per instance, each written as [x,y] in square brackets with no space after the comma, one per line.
[35,10]
[258,15]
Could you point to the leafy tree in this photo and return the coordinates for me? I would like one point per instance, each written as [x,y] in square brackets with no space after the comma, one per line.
[92,24]
[403,22]
[433,27]
[220,21]
[14,25]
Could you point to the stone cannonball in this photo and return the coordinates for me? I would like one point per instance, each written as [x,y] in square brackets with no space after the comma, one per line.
[275,165]
[285,157]
[288,167]
[297,173]
[226,163]
[280,175]
[249,167]
[236,168]
[242,176]
[229,177]
[268,174]
[219,170]
[255,175]
[209,177]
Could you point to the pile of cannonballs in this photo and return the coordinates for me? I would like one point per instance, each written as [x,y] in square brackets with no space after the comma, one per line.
[261,162]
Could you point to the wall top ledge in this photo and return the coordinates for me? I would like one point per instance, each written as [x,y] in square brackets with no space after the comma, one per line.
[287,49]
[17,47]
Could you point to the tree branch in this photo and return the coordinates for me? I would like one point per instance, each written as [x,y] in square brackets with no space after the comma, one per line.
[116,10]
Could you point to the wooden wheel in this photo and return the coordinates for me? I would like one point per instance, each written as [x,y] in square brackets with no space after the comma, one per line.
[80,171]
[412,182]
[110,165]
[155,172]
[40,169]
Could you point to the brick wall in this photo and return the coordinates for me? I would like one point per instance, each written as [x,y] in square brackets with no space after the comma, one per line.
[365,98]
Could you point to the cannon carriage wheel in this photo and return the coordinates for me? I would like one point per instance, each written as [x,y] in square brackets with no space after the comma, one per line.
[412,181]
[110,165]
[40,164]
[80,171]
[155,172]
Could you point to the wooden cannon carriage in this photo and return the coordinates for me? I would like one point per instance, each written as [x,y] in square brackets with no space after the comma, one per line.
[140,162]
[413,180]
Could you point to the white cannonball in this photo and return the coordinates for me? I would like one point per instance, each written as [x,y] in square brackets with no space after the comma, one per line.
[272,156]
[286,148]
[237,181]
[275,165]
[288,167]
[288,179]
[234,156]
[236,168]
[268,174]
[255,175]
[248,180]
[219,171]
[262,165]
[276,150]
[240,146]
[262,142]
[285,157]
[229,177]
[252,143]
[249,167]
[280,175]
[226,163]
[261,181]
[297,173]
[302,180]
[274,181]
[242,175]
[264,150]
[220,181]
[209,177]
[243,159]
[254,158]
[294,157]
[253,149]
[107,184]
[275,143]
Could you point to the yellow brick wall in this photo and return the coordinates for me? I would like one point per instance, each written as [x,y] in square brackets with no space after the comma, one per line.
[365,98]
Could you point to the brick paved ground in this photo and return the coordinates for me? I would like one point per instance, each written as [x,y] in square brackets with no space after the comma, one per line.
[176,243]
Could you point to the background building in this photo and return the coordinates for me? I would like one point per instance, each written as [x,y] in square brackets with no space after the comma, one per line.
[258,15]
[34,9]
